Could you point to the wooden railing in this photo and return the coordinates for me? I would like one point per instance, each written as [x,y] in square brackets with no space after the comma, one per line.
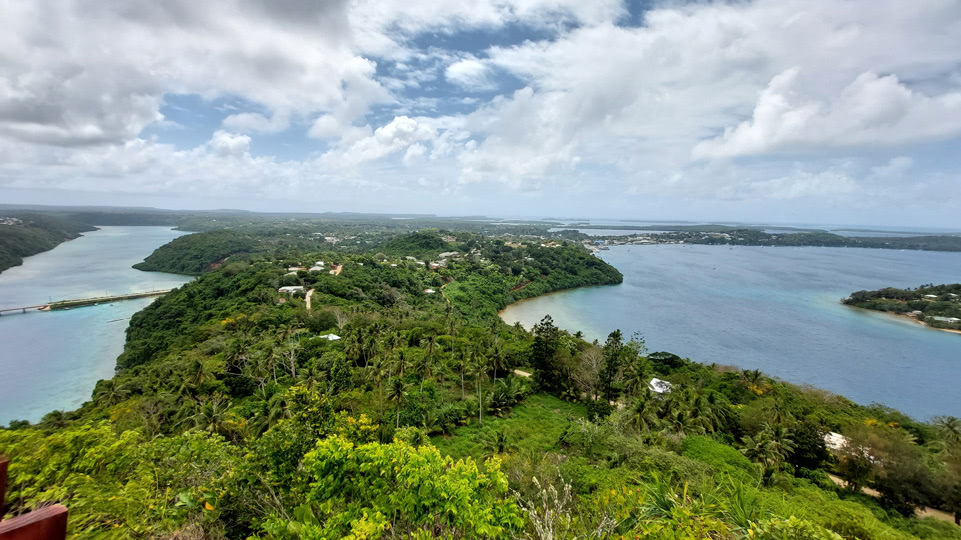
[47,523]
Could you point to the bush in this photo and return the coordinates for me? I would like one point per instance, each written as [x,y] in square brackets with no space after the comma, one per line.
[722,458]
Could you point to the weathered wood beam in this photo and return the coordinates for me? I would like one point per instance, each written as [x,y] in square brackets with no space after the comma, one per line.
[47,523]
[4,462]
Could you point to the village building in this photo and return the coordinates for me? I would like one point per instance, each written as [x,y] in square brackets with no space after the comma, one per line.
[290,289]
[659,386]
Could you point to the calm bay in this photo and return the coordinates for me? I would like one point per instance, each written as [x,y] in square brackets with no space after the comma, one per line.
[52,360]
[777,310]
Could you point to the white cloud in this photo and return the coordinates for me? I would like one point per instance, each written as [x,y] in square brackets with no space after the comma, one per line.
[65,79]
[814,96]
[871,110]
[469,74]
[229,144]
[257,123]
[399,134]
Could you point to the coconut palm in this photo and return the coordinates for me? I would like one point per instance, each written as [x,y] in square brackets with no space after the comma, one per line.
[498,361]
[212,415]
[635,375]
[110,392]
[950,428]
[398,396]
[769,448]
[427,363]
[644,415]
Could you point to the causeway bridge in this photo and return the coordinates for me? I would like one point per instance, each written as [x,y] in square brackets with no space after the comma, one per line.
[80,302]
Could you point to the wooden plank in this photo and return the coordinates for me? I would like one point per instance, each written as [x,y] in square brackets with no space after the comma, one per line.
[4,462]
[47,523]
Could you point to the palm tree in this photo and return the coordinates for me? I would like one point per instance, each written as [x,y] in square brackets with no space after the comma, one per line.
[427,364]
[644,413]
[507,392]
[498,360]
[277,408]
[950,428]
[212,415]
[635,377]
[752,379]
[401,363]
[398,396]
[110,392]
[479,365]
[769,448]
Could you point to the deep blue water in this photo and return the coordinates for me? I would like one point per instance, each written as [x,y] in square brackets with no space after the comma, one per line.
[53,360]
[777,310]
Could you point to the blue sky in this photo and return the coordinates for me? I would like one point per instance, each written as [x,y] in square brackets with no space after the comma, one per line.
[778,111]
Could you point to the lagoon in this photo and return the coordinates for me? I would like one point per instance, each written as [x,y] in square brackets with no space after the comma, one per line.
[777,310]
[52,360]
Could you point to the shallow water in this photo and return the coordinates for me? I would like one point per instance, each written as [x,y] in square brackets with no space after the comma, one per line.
[777,310]
[53,360]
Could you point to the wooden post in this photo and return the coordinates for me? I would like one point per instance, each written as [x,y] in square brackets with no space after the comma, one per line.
[47,523]
[3,482]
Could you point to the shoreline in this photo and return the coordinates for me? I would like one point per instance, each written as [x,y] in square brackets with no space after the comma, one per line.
[904,318]
[500,312]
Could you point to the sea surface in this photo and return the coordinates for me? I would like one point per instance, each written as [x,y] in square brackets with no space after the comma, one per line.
[776,309]
[52,360]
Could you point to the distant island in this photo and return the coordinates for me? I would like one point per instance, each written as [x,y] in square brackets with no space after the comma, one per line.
[936,306]
[754,236]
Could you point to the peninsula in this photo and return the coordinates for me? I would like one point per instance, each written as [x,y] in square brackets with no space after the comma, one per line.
[935,306]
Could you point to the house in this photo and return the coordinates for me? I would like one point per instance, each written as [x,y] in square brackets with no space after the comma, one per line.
[932,296]
[835,441]
[447,254]
[319,263]
[295,268]
[290,289]
[429,291]
[945,319]
[317,268]
[660,387]
[330,337]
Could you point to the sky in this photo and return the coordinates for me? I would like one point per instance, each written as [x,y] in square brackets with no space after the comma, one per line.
[784,111]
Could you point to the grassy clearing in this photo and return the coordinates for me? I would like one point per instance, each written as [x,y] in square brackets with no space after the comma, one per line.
[535,424]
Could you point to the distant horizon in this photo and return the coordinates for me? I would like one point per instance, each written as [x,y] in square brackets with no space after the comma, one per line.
[556,218]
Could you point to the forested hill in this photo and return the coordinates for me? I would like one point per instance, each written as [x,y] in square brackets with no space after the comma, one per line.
[938,306]
[25,234]
[196,253]
[392,408]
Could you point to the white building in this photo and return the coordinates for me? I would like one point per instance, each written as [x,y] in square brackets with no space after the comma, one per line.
[660,387]
[290,289]
[835,441]
[330,337]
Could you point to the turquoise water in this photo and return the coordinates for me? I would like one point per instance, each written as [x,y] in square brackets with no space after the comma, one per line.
[52,360]
[777,310]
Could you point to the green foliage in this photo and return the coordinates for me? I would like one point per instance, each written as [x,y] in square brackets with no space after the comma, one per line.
[35,233]
[233,415]
[367,490]
[196,253]
[723,458]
